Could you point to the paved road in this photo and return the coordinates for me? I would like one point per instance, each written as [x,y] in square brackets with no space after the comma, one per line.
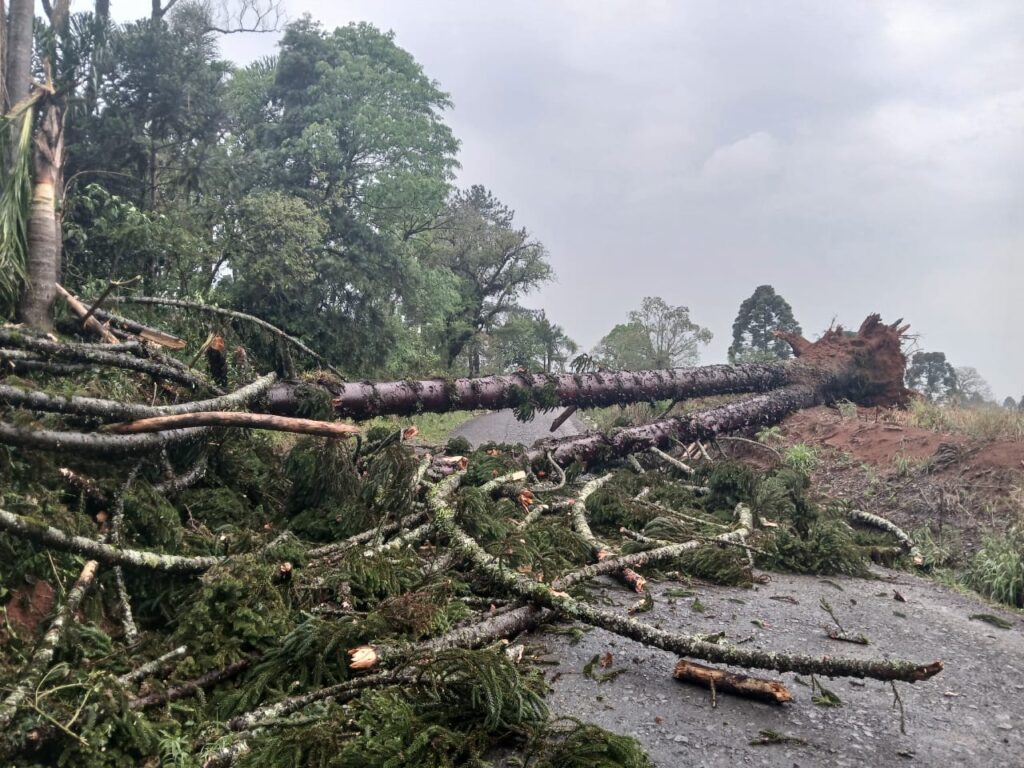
[972,713]
[502,427]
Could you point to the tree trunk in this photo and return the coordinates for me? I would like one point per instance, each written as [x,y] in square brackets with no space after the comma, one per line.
[756,411]
[43,265]
[366,400]
[866,367]
[19,50]
[3,57]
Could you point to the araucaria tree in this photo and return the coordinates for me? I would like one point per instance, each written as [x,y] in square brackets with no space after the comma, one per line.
[753,332]
[931,374]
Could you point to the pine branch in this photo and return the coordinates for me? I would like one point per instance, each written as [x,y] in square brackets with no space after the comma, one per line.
[34,530]
[683,645]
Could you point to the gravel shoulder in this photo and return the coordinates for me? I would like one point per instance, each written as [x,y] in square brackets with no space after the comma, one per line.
[970,714]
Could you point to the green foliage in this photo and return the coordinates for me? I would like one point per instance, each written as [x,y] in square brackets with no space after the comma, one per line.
[718,564]
[627,347]
[730,482]
[801,457]
[15,197]
[930,374]
[770,435]
[657,336]
[460,703]
[997,570]
[753,332]
[783,495]
[494,263]
[237,610]
[572,744]
[847,409]
[331,497]
[828,548]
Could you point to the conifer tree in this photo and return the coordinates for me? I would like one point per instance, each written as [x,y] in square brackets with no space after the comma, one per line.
[753,332]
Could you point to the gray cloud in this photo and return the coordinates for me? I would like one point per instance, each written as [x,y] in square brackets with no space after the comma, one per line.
[858,156]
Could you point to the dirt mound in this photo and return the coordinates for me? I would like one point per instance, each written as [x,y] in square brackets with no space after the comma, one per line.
[870,437]
[917,477]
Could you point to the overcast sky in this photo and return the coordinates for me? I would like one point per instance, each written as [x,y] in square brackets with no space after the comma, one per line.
[860,157]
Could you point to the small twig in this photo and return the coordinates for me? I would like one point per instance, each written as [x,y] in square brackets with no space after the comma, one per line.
[898,701]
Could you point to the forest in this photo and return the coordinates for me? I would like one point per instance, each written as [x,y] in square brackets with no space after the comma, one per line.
[246,310]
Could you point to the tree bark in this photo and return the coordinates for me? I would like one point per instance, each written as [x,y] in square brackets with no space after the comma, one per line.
[771,691]
[21,16]
[91,444]
[89,354]
[867,367]
[750,412]
[366,400]
[146,332]
[3,58]
[88,320]
[44,246]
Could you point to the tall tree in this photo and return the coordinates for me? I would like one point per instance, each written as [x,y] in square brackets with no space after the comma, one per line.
[972,389]
[675,338]
[1010,404]
[348,123]
[18,75]
[627,347]
[3,57]
[753,332]
[494,262]
[931,375]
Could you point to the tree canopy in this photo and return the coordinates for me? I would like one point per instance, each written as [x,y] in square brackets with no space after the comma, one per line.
[657,336]
[753,332]
[932,375]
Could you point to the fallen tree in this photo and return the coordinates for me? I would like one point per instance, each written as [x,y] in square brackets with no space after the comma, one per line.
[866,367]
[356,581]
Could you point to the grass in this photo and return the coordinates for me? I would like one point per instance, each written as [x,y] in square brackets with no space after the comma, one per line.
[801,457]
[997,571]
[984,422]
[433,428]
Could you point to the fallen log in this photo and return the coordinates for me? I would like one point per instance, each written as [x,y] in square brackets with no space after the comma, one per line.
[92,444]
[88,320]
[112,409]
[588,390]
[748,413]
[722,681]
[234,419]
[866,367]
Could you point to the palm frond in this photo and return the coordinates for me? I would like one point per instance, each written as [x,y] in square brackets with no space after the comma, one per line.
[15,197]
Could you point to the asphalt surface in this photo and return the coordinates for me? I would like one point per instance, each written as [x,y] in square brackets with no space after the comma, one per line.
[502,427]
[969,714]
